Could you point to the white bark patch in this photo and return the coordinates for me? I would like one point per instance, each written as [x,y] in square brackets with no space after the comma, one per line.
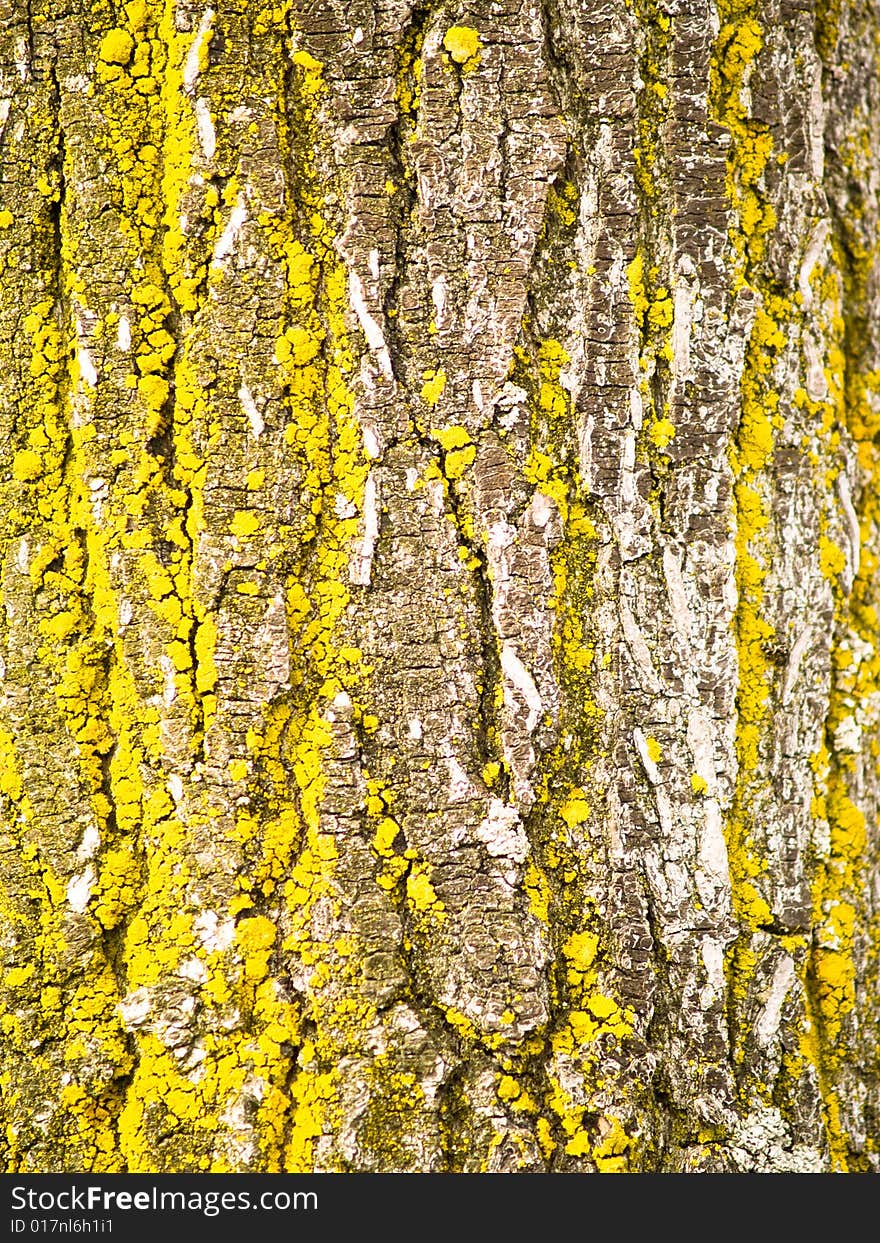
[541,510]
[681,333]
[702,745]
[126,612]
[98,492]
[502,832]
[585,431]
[343,506]
[437,498]
[226,240]
[627,462]
[372,448]
[250,408]
[438,297]
[630,525]
[815,246]
[169,690]
[678,605]
[194,55]
[460,785]
[669,880]
[638,649]
[713,848]
[767,1024]
[362,564]
[79,889]
[371,329]
[22,560]
[510,403]
[816,126]
[801,644]
[213,934]
[134,1010]
[86,367]
[341,704]
[852,526]
[713,961]
[816,383]
[519,679]
[414,729]
[641,744]
[205,127]
[848,735]
[22,59]
[238,1116]
[175,788]
[193,969]
[665,814]
[500,537]
[88,847]
[123,334]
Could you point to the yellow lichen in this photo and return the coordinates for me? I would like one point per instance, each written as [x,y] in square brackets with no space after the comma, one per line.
[434,384]
[463,44]
[116,47]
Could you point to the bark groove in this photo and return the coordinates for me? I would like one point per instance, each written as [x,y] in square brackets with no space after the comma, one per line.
[439,546]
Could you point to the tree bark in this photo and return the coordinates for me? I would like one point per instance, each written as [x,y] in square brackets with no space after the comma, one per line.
[439,571]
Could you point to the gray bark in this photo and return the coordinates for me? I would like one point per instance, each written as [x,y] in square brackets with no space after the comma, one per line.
[439,548]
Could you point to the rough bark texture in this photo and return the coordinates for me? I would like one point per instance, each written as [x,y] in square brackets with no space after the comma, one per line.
[440,535]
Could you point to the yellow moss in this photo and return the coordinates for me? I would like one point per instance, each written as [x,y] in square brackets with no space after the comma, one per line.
[244,524]
[491,772]
[637,292]
[545,1138]
[385,835]
[16,976]
[237,769]
[538,891]
[116,47]
[154,390]
[205,644]
[463,44]
[27,465]
[508,1089]
[580,950]
[660,312]
[434,384]
[832,559]
[10,771]
[579,1145]
[457,463]
[661,432]
[575,810]
[610,1154]
[420,891]
[298,346]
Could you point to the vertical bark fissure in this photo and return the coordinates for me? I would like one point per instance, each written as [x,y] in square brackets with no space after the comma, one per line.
[393,774]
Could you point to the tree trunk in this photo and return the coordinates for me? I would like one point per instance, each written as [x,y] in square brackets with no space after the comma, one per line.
[439,564]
